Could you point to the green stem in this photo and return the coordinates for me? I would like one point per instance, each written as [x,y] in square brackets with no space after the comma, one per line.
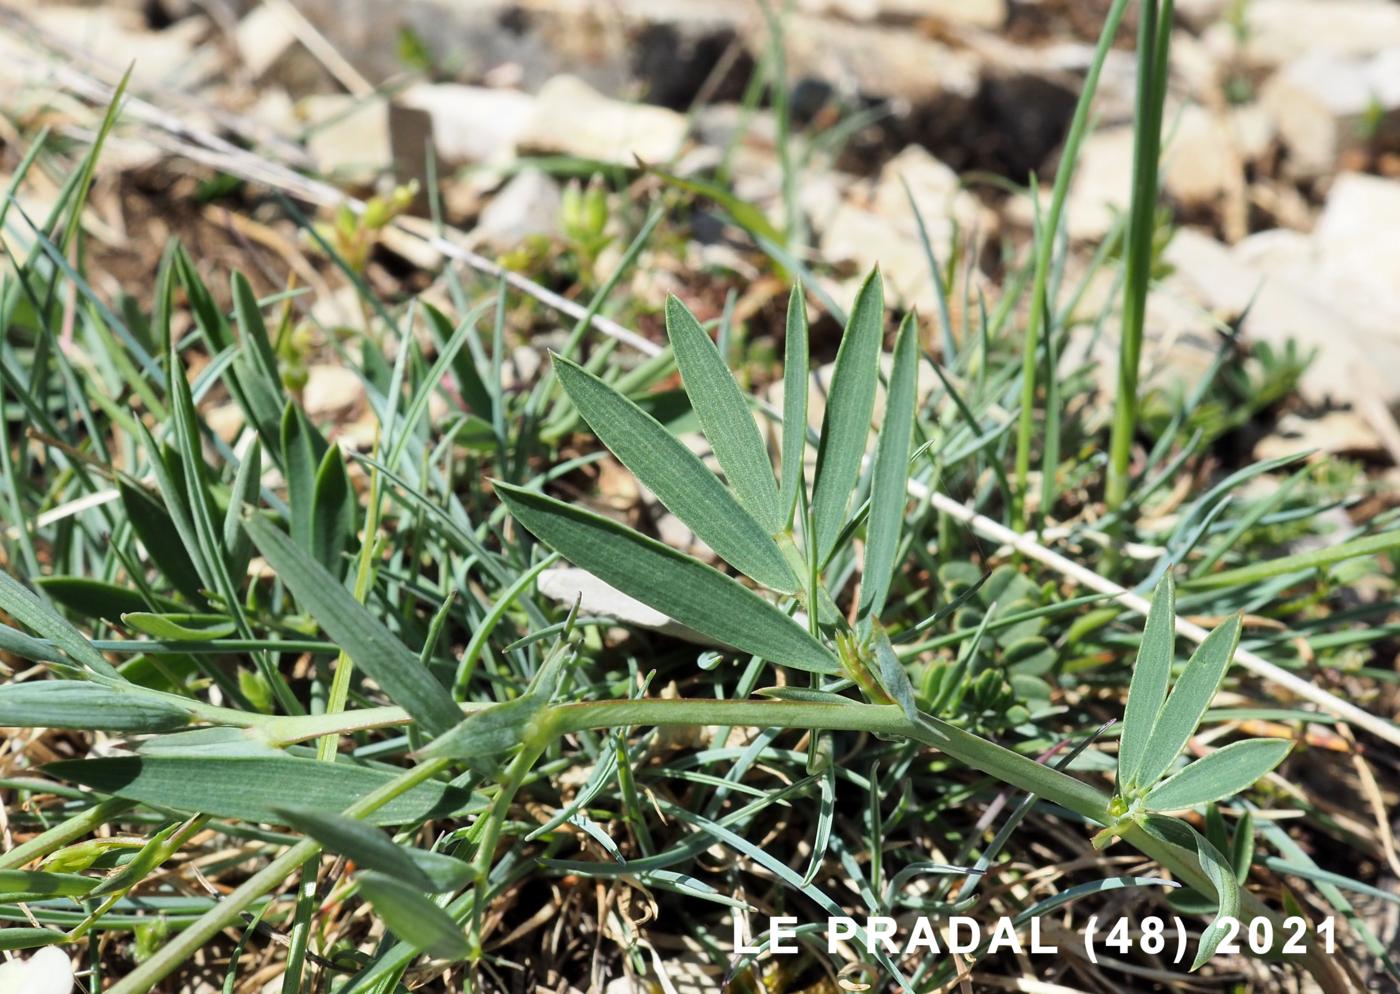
[64,832]
[1153,44]
[216,919]
[1044,251]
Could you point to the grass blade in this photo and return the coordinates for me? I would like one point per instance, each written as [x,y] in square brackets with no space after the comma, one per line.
[888,490]
[1189,700]
[675,584]
[1371,545]
[1222,774]
[677,477]
[363,636]
[725,415]
[846,425]
[1148,689]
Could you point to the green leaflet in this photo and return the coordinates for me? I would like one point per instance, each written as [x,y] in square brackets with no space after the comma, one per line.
[795,371]
[1216,868]
[1148,689]
[724,414]
[1223,773]
[75,704]
[371,849]
[253,787]
[1189,700]
[33,613]
[180,627]
[677,477]
[373,647]
[888,489]
[675,584]
[413,918]
[846,424]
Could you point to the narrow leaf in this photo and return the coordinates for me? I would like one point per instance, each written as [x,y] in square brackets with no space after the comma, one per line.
[724,414]
[846,424]
[371,849]
[75,704]
[1371,545]
[674,584]
[413,918]
[677,477]
[888,489]
[174,627]
[300,457]
[332,512]
[1222,774]
[28,610]
[238,548]
[252,788]
[373,647]
[154,527]
[92,598]
[1189,700]
[1148,689]
[795,371]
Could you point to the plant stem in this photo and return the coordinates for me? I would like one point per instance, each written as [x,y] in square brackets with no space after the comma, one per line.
[65,832]
[1044,250]
[169,957]
[1153,45]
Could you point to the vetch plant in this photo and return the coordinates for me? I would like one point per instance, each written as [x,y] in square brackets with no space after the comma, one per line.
[1157,726]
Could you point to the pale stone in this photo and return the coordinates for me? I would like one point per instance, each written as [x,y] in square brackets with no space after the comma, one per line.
[1354,357]
[262,36]
[527,205]
[48,971]
[1102,182]
[1336,432]
[330,389]
[1201,163]
[1358,247]
[349,135]
[1324,105]
[472,123]
[1278,31]
[571,118]
[171,57]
